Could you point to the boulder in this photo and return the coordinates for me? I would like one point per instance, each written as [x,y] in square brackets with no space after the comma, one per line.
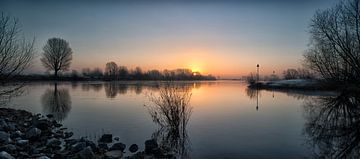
[68,134]
[4,137]
[53,142]
[3,125]
[78,147]
[107,138]
[133,148]
[5,155]
[114,154]
[33,133]
[8,148]
[43,125]
[86,153]
[103,146]
[118,146]
[151,146]
[22,142]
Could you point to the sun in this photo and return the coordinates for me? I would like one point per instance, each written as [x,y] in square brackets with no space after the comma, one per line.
[195,68]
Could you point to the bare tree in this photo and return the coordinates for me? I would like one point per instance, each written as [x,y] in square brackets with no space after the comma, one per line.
[291,74]
[111,69]
[335,43]
[16,53]
[57,55]
[123,72]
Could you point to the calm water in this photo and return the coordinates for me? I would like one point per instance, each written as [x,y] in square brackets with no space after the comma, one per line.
[224,122]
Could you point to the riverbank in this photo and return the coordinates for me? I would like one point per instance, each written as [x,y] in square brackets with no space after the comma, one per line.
[25,135]
[295,84]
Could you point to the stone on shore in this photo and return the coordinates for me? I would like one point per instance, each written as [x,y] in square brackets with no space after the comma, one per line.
[133,148]
[151,146]
[33,133]
[5,155]
[78,147]
[4,137]
[107,138]
[86,153]
[118,146]
[114,154]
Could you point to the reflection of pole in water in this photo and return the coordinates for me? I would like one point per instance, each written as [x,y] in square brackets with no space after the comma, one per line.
[257,89]
[257,98]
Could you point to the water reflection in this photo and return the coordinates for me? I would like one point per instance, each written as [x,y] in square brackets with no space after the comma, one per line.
[253,93]
[9,91]
[57,102]
[333,125]
[112,89]
[171,111]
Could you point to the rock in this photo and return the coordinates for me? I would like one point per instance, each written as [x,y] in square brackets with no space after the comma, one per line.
[150,146]
[22,142]
[8,148]
[5,155]
[133,148]
[4,137]
[139,155]
[16,134]
[33,133]
[43,125]
[91,144]
[114,154]
[103,146]
[53,142]
[107,138]
[11,126]
[78,147]
[116,138]
[118,146]
[56,124]
[43,157]
[86,153]
[68,134]
[3,125]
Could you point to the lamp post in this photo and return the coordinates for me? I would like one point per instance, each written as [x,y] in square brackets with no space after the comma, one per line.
[257,78]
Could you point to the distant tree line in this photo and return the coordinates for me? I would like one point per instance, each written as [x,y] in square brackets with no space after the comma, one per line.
[288,74]
[115,72]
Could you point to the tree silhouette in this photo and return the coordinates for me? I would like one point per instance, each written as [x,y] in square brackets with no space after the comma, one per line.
[57,55]
[16,54]
[335,43]
[111,69]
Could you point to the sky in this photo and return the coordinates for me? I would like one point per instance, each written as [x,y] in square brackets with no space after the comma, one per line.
[225,38]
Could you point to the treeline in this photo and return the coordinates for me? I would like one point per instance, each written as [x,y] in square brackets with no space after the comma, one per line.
[114,72]
[288,74]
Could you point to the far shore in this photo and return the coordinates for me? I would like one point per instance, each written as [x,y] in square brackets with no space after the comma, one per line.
[303,84]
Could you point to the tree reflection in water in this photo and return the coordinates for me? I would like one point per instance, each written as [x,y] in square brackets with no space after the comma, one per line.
[171,111]
[333,125]
[56,102]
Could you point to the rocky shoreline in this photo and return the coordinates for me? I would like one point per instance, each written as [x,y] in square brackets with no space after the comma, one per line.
[25,135]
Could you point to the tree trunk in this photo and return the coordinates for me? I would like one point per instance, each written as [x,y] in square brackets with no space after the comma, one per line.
[56,74]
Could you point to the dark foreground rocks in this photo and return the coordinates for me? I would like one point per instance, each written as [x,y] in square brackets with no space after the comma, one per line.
[24,135]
